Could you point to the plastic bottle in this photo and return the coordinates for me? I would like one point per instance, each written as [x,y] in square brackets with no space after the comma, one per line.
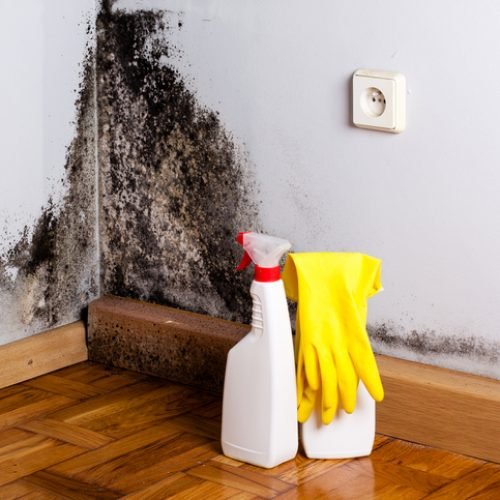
[259,413]
[347,436]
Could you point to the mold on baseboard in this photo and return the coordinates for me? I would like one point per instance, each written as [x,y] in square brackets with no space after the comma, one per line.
[161,341]
[175,186]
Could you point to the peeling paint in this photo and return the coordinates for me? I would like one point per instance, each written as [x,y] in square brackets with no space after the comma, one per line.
[175,187]
[50,274]
[473,354]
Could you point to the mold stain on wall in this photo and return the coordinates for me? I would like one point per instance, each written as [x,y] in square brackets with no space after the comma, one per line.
[474,354]
[175,187]
[48,277]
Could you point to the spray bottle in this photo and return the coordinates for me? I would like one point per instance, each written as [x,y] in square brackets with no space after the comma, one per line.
[259,413]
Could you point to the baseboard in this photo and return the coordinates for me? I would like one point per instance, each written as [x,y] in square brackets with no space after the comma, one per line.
[439,407]
[43,353]
[424,404]
[157,340]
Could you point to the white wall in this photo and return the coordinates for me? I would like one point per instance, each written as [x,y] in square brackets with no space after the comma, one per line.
[42,44]
[425,201]
[42,47]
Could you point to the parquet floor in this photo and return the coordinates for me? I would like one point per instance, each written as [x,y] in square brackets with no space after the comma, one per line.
[88,432]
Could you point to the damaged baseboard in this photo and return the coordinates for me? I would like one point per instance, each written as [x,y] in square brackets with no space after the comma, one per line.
[158,340]
[424,404]
[43,353]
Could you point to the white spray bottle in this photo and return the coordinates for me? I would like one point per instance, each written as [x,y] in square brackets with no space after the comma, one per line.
[259,413]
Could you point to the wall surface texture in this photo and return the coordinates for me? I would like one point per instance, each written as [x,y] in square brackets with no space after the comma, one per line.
[274,77]
[216,116]
[176,188]
[48,244]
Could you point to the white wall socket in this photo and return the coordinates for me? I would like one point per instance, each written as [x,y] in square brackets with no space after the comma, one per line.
[379,100]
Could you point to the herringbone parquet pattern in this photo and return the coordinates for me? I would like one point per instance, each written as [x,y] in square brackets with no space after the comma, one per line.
[87,432]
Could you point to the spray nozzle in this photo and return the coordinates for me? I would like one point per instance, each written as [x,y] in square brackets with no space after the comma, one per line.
[246,260]
[265,252]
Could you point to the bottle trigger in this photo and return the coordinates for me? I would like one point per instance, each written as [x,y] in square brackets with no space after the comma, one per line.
[245,262]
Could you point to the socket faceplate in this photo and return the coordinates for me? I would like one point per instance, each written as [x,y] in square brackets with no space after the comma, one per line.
[379,100]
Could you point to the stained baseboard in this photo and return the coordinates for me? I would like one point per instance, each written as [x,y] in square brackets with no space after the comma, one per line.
[43,353]
[424,404]
[161,341]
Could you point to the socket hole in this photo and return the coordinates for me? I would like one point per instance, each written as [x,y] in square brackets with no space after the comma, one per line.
[372,102]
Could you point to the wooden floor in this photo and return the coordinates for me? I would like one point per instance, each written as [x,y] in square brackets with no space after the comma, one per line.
[88,432]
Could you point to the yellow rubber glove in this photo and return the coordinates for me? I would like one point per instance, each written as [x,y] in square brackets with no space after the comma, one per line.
[332,344]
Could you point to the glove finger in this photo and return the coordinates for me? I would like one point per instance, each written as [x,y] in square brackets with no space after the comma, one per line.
[347,380]
[311,367]
[329,393]
[366,367]
[301,378]
[328,378]
[363,360]
[306,405]
[327,415]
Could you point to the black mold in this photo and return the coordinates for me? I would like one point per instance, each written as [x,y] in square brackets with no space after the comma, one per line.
[429,343]
[42,248]
[55,262]
[175,190]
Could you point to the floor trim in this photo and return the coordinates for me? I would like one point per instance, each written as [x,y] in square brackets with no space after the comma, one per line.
[161,341]
[43,353]
[425,404]
[440,407]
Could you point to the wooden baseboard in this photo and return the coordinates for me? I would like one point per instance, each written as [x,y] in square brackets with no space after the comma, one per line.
[439,407]
[161,341]
[424,404]
[43,353]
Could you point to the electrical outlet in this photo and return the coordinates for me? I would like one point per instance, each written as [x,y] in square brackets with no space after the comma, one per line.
[379,100]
